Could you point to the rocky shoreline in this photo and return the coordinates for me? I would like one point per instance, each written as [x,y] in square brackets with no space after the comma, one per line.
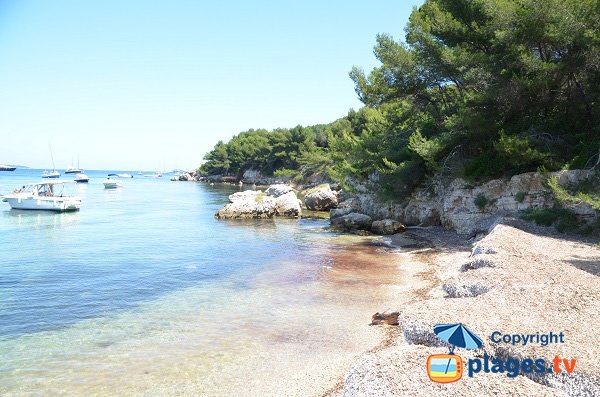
[492,272]
[517,279]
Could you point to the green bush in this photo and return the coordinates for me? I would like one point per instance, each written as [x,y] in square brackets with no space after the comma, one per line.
[520,196]
[481,201]
[563,219]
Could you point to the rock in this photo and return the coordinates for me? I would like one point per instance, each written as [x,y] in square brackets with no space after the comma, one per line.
[321,198]
[387,317]
[352,221]
[337,212]
[184,177]
[257,204]
[245,195]
[387,226]
[278,190]
[288,205]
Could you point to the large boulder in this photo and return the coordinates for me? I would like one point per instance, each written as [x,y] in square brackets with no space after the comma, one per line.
[387,226]
[288,205]
[257,204]
[352,221]
[321,198]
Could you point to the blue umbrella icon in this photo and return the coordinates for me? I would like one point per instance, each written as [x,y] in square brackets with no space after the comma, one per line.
[458,336]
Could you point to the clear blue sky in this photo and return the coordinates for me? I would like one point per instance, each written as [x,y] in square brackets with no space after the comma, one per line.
[155,84]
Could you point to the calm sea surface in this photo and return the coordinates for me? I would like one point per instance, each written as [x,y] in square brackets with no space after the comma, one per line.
[144,292]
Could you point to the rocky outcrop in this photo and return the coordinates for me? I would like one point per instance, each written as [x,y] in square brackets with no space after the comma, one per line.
[470,209]
[257,204]
[387,226]
[352,221]
[321,198]
[184,177]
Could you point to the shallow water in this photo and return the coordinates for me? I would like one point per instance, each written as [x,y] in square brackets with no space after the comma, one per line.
[143,292]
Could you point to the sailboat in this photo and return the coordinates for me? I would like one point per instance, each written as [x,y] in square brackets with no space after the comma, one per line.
[53,173]
[73,170]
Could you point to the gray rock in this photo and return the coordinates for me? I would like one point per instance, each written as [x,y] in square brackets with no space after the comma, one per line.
[387,226]
[322,198]
[278,190]
[337,212]
[352,221]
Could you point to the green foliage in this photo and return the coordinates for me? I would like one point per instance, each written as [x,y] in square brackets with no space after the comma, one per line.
[520,197]
[585,193]
[563,219]
[481,201]
[486,88]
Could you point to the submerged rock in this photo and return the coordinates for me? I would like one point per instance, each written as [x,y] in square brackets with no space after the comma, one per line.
[321,198]
[352,221]
[387,226]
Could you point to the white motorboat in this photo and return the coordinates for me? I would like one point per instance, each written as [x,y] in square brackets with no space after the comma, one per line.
[112,183]
[48,196]
[7,167]
[51,174]
[153,175]
[81,178]
[125,175]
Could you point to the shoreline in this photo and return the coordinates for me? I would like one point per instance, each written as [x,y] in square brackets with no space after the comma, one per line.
[516,260]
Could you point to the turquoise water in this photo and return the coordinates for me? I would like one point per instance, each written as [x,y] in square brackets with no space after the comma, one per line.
[144,292]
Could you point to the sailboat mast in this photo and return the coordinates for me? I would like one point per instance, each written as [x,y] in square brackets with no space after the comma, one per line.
[51,156]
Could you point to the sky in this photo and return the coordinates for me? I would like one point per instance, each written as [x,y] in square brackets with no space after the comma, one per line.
[153,85]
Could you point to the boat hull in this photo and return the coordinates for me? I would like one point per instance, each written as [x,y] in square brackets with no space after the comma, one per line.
[57,204]
[8,168]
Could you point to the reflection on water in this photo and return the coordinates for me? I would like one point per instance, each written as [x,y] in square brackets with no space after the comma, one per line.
[43,219]
[144,292]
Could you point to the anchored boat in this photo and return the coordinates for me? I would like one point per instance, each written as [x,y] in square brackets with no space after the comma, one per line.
[47,196]
[112,183]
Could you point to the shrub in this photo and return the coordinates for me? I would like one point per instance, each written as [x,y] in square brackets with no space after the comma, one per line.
[481,201]
[520,196]
[562,219]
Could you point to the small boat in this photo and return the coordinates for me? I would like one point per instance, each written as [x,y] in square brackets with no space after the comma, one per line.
[7,167]
[82,178]
[153,175]
[51,174]
[125,175]
[47,196]
[111,183]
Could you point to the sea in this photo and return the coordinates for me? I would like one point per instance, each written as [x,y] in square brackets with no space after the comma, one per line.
[144,293]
